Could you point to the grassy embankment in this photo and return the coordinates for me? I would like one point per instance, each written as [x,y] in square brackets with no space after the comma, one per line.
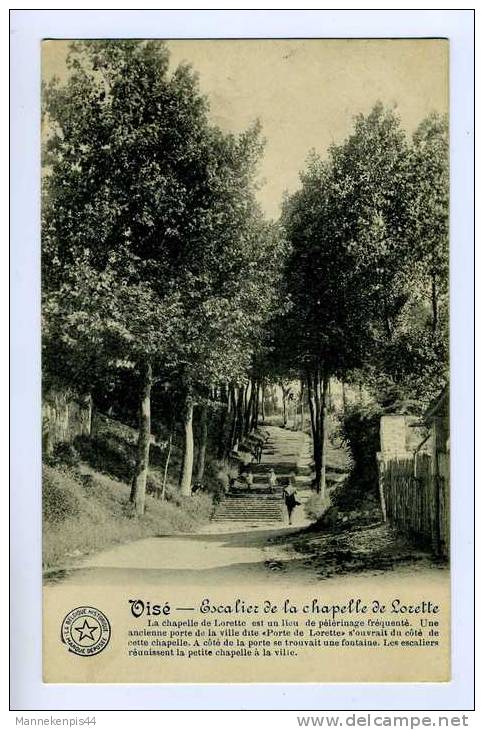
[85,496]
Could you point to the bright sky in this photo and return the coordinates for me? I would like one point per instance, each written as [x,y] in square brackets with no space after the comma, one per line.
[305,92]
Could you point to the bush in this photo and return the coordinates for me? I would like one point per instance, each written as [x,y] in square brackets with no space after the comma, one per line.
[154,483]
[108,454]
[63,453]
[198,507]
[360,427]
[217,478]
[316,506]
[60,495]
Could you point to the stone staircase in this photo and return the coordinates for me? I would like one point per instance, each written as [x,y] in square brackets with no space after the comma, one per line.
[289,454]
[251,508]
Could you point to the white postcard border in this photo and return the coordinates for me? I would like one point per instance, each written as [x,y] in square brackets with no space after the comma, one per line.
[28,27]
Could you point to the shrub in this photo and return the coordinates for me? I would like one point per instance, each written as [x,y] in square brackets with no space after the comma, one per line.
[217,477]
[360,427]
[60,495]
[154,483]
[108,454]
[198,507]
[316,506]
[63,453]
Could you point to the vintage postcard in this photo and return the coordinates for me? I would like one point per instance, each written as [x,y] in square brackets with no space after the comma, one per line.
[245,335]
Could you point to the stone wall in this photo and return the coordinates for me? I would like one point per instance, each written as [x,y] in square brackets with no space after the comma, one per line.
[400,435]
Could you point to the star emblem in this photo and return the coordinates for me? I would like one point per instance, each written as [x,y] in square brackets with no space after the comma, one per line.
[86,631]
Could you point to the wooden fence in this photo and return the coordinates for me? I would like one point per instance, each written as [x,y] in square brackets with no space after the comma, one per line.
[416,498]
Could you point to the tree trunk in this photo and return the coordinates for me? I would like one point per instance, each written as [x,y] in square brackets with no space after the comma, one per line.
[138,488]
[314,429]
[187,462]
[295,415]
[92,424]
[240,429]
[345,400]
[324,432]
[233,429]
[318,407]
[203,444]
[263,403]
[318,446]
[225,400]
[284,407]
[254,418]
[257,405]
[302,403]
[435,305]
[249,410]
[311,404]
[246,403]
[167,463]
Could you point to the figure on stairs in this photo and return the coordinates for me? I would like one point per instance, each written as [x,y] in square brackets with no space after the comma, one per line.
[249,478]
[272,480]
[290,498]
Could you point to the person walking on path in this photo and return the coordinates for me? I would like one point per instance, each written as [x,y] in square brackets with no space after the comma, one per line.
[272,480]
[290,498]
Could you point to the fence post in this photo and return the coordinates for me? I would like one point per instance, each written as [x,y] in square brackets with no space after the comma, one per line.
[381,486]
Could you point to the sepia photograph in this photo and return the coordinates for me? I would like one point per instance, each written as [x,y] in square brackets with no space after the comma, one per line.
[245,360]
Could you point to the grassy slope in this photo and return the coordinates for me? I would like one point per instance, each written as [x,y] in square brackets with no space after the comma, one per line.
[86,505]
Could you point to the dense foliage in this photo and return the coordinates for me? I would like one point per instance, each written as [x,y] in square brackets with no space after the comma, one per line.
[155,255]
[169,298]
[367,272]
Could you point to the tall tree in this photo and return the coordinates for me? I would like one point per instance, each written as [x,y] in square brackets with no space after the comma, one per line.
[224,323]
[346,228]
[429,210]
[96,325]
[135,170]
[413,363]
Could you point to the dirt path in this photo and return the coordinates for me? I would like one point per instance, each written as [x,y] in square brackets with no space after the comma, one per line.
[241,557]
[231,557]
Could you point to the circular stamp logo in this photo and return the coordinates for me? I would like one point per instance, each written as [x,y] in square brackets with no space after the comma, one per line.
[86,631]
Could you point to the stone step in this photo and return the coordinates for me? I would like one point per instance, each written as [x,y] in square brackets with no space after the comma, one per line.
[248,518]
[244,508]
[242,516]
[250,497]
[252,520]
[273,514]
[247,508]
[304,470]
[280,467]
[256,493]
[250,512]
[263,478]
